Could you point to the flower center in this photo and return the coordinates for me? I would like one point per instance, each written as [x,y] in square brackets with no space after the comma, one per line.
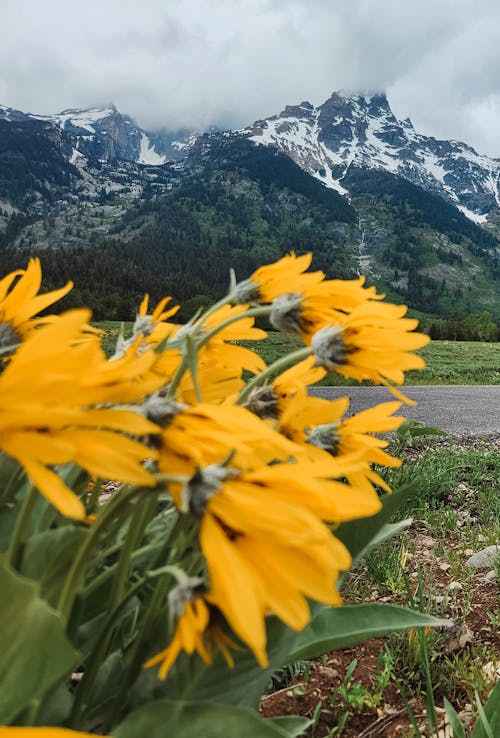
[161,410]
[285,313]
[186,591]
[202,486]
[329,347]
[325,436]
[263,402]
[9,338]
[246,291]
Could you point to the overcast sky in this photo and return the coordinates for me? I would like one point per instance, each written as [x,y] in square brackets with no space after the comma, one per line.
[196,62]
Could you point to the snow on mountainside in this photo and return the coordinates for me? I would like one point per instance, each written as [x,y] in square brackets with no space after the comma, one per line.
[362,132]
[104,134]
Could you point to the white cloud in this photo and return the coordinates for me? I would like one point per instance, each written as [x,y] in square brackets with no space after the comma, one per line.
[189,62]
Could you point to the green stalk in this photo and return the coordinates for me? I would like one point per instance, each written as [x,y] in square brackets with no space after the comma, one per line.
[22,520]
[97,656]
[75,575]
[138,523]
[429,697]
[135,655]
[251,313]
[259,379]
[190,358]
[175,381]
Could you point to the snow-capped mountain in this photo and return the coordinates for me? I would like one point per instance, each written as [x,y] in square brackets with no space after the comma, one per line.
[361,132]
[104,134]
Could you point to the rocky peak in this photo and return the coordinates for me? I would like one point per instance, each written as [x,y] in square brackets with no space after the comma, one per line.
[361,131]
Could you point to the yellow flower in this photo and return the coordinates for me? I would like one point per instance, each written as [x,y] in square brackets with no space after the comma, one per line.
[51,396]
[20,303]
[192,622]
[372,342]
[272,280]
[154,327]
[217,351]
[302,302]
[352,436]
[196,627]
[208,434]
[271,401]
[266,550]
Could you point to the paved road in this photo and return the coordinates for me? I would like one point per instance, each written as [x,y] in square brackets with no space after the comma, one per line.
[472,410]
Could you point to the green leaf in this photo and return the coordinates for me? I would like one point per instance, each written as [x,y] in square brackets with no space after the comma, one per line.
[490,716]
[196,720]
[191,678]
[48,556]
[34,650]
[293,725]
[358,535]
[389,530]
[454,721]
[340,627]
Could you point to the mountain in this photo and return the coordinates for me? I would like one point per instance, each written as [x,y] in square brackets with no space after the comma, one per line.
[105,134]
[130,210]
[361,132]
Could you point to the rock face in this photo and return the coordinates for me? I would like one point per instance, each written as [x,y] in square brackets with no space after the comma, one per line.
[361,132]
[104,134]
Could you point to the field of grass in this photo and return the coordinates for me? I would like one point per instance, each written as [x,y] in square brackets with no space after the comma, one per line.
[455,508]
[448,362]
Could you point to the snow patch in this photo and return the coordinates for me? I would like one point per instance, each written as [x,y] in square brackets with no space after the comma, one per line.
[84,119]
[475,217]
[148,155]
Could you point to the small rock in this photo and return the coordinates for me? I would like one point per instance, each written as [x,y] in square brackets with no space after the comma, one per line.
[484,559]
[468,552]
[444,566]
[490,576]
[428,542]
[455,587]
[328,671]
[492,670]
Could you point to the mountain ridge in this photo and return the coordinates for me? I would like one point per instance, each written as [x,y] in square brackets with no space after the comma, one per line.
[89,185]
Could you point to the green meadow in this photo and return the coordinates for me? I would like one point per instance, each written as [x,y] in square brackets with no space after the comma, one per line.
[447,362]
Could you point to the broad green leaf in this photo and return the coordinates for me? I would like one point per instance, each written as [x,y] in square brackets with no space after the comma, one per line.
[389,530]
[340,627]
[293,725]
[454,721]
[56,706]
[34,650]
[491,713]
[358,535]
[103,691]
[48,556]
[181,719]
[8,515]
[191,678]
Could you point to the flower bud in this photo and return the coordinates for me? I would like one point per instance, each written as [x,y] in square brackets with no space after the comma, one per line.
[285,313]
[202,485]
[329,347]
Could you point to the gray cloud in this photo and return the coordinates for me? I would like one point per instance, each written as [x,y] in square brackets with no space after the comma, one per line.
[189,62]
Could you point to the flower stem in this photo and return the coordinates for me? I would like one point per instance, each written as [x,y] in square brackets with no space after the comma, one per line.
[138,523]
[135,654]
[285,361]
[22,520]
[251,313]
[75,575]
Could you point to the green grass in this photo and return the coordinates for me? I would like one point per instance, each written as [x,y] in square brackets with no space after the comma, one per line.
[448,362]
[457,505]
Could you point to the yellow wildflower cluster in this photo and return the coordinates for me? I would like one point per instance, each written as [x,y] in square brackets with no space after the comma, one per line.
[263,472]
